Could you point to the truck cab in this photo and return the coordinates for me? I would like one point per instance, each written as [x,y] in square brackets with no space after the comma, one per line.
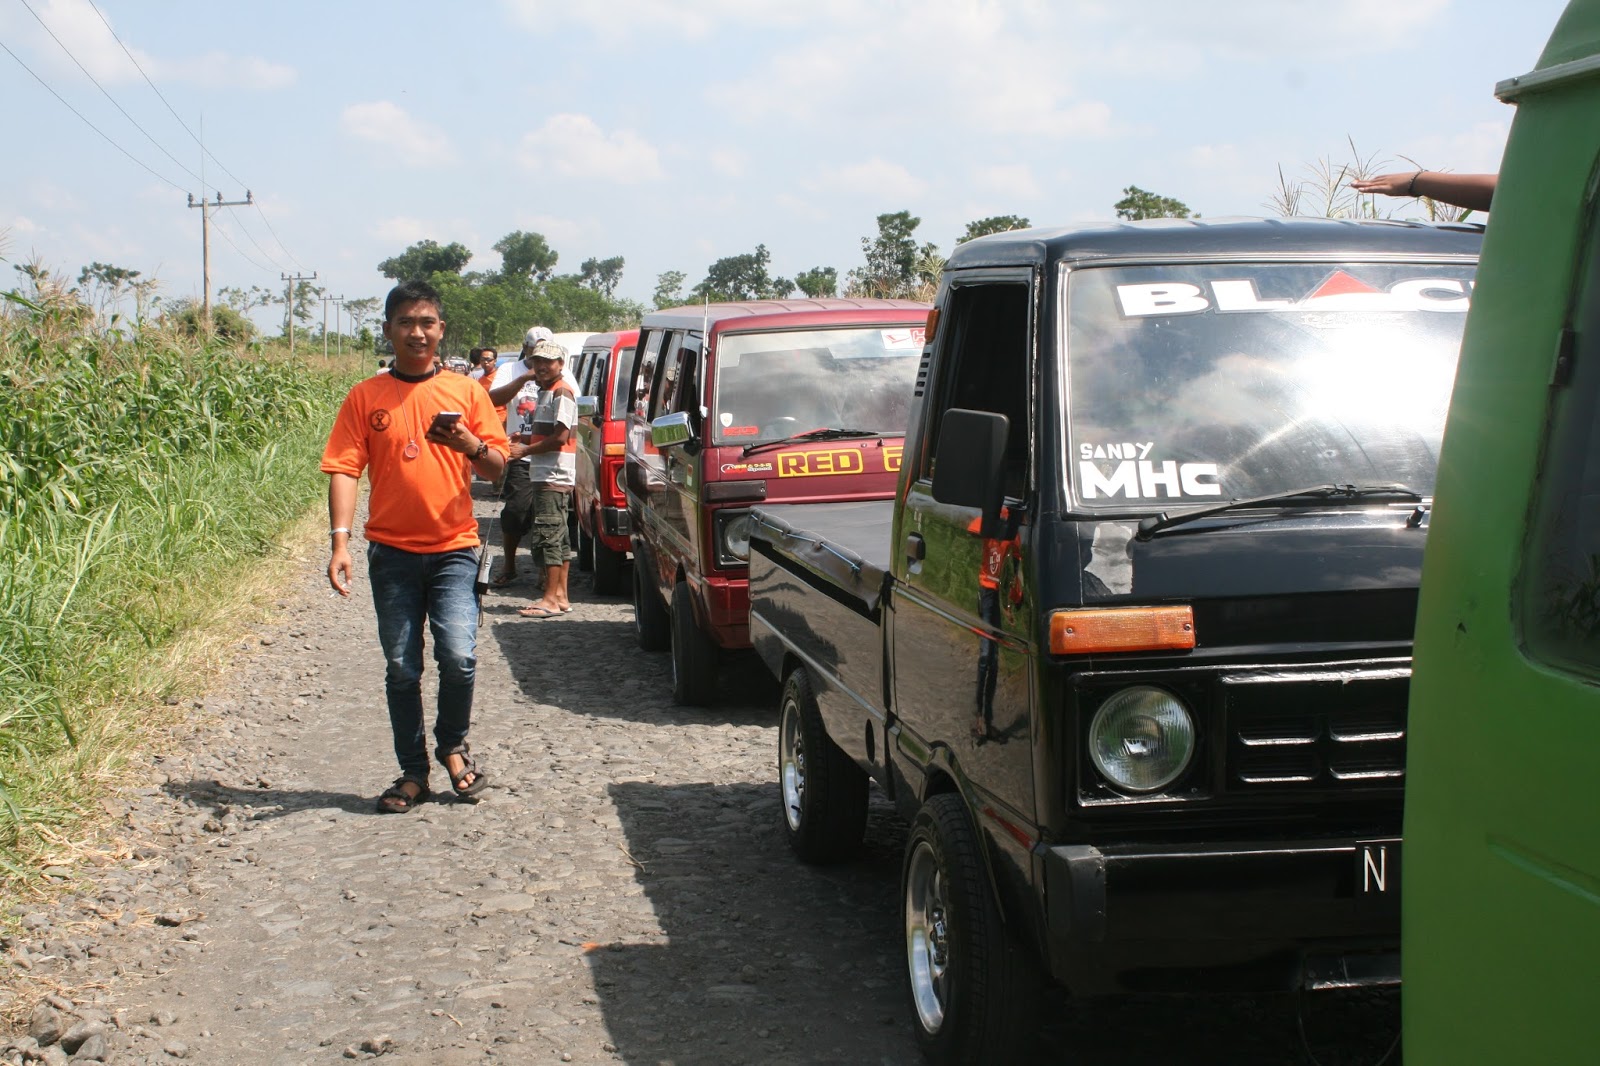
[736,403]
[1502,892]
[1130,647]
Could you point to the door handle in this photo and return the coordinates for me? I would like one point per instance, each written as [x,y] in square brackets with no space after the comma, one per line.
[916,547]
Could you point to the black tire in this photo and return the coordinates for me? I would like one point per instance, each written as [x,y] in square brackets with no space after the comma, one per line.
[608,568]
[694,654]
[651,626]
[973,989]
[572,524]
[585,550]
[824,792]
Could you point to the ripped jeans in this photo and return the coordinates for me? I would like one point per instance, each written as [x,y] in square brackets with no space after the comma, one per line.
[408,587]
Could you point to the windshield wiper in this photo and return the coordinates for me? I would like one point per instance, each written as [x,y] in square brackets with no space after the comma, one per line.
[1305,497]
[809,435]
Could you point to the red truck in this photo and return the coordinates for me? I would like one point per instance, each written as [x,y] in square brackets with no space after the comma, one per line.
[735,404]
[605,368]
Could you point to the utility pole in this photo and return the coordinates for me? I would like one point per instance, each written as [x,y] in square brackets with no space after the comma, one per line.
[288,303]
[326,300]
[338,330]
[206,207]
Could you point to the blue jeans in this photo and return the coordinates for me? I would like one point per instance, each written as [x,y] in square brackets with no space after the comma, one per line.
[408,587]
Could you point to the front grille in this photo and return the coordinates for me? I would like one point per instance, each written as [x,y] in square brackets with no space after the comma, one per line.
[1298,732]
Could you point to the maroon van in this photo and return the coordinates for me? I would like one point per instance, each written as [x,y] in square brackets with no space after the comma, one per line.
[741,403]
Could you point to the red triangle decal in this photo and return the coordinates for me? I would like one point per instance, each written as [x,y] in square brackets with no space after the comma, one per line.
[1340,284]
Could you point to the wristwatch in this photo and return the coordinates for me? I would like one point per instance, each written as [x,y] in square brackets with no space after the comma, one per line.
[483,450]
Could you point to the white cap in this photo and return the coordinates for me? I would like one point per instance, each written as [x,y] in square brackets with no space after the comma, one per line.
[535,335]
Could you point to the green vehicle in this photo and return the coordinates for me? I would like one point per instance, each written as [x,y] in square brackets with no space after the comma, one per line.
[1501,901]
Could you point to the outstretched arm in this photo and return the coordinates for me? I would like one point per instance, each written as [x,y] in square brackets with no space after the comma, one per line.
[1464,190]
[341,514]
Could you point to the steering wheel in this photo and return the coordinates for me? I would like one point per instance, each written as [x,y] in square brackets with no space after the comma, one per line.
[780,427]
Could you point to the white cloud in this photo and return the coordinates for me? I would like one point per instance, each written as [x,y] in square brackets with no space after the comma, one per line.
[1471,151]
[574,146]
[1007,179]
[877,177]
[558,231]
[412,141]
[687,19]
[404,229]
[80,31]
[729,162]
[20,224]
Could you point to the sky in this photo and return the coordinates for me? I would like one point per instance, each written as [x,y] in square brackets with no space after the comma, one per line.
[676,132]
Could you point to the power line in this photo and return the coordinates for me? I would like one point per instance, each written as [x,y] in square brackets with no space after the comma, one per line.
[251,237]
[104,136]
[164,100]
[193,136]
[231,244]
[108,96]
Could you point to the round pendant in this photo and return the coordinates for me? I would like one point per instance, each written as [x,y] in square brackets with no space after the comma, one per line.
[412,451]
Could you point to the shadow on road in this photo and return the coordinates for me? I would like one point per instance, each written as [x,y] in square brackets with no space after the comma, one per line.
[273,802]
[765,959]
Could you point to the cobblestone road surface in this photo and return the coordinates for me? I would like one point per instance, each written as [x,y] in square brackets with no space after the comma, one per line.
[622,894]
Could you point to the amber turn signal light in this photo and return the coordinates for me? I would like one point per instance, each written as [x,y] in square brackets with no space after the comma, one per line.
[932,327]
[1107,629]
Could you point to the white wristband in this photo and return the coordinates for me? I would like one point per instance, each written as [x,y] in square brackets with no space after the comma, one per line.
[341,529]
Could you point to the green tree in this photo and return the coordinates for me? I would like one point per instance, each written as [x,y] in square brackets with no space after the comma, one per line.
[364,312]
[896,267]
[526,257]
[246,300]
[424,259]
[1137,203]
[818,282]
[103,285]
[669,289]
[301,305]
[185,316]
[601,275]
[743,277]
[982,227]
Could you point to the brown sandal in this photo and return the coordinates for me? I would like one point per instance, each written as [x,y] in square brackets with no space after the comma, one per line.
[479,779]
[396,800]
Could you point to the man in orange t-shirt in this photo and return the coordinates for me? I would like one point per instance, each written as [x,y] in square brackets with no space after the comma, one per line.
[421,532]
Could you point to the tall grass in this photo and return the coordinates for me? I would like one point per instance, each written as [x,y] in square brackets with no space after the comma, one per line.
[140,474]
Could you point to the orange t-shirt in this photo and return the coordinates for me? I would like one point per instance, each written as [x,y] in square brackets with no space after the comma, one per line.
[422,504]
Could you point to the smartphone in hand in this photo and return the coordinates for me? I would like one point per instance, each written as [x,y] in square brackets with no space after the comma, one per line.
[444,421]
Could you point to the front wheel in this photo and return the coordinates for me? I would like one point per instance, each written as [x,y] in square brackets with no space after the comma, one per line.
[824,791]
[651,627]
[972,987]
[694,654]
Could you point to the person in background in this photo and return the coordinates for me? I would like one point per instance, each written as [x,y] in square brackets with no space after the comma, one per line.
[483,360]
[551,449]
[1463,190]
[421,533]
[514,392]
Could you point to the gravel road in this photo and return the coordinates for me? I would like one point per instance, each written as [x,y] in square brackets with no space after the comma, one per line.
[622,893]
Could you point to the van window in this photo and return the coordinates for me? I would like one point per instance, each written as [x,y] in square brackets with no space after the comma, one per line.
[1560,598]
[984,365]
[771,385]
[1200,382]
[650,342]
[624,378]
[667,373]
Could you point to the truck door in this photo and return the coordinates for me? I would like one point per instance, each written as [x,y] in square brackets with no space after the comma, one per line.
[1501,903]
[678,390]
[963,628]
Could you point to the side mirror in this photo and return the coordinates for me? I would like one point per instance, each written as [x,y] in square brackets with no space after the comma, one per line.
[588,406]
[670,431]
[969,465]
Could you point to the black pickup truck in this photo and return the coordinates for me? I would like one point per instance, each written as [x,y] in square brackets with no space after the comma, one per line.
[1130,647]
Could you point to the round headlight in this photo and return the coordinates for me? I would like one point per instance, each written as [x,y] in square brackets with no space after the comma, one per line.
[736,537]
[620,490]
[1142,739]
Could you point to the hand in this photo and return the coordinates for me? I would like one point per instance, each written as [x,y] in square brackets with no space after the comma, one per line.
[518,450]
[456,437]
[339,570]
[1387,184]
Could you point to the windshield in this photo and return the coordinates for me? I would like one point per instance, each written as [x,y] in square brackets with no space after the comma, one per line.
[1203,383]
[774,385]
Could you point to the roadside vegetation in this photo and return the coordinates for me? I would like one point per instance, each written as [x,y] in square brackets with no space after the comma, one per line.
[145,475]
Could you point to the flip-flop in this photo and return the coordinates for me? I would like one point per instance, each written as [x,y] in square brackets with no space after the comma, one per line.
[566,610]
[500,581]
[537,612]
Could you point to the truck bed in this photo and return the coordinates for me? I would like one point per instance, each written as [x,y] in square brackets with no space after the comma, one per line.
[818,575]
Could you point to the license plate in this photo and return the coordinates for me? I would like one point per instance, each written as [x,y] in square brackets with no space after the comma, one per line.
[1377,882]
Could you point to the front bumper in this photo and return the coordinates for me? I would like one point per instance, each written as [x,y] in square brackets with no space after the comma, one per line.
[1277,914]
